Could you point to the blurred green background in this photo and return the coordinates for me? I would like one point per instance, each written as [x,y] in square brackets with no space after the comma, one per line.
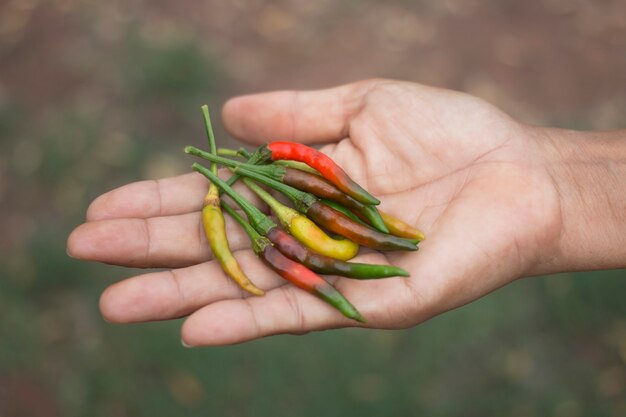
[97,94]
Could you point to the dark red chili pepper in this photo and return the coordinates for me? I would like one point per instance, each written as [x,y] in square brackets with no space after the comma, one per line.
[325,189]
[297,274]
[295,250]
[341,224]
[304,181]
[322,163]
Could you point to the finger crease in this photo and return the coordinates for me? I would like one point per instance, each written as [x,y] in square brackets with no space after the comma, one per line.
[159,197]
[148,234]
[179,288]
[255,319]
[291,298]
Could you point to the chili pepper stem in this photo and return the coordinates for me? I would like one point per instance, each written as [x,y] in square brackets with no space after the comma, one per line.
[212,196]
[258,242]
[285,214]
[261,222]
[229,152]
[297,165]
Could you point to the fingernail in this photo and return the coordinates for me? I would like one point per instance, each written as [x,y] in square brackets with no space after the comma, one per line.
[67,251]
[182,342]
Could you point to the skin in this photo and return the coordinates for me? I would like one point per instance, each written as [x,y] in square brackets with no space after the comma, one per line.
[498,200]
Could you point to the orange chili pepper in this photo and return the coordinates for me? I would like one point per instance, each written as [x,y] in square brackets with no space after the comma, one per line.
[322,163]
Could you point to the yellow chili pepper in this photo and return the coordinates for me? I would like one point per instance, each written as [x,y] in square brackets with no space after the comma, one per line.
[399,228]
[307,232]
[215,227]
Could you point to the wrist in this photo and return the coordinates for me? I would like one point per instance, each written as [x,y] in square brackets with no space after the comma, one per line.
[588,170]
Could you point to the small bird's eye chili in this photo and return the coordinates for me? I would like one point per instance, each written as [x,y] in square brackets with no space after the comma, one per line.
[293,249]
[215,228]
[322,163]
[213,222]
[305,230]
[297,274]
[304,278]
[339,223]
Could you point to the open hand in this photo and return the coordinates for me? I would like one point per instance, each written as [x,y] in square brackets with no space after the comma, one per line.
[474,180]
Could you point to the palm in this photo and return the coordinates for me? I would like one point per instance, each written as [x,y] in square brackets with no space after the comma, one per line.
[449,164]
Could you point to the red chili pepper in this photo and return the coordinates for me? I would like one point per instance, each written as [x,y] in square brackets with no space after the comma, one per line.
[323,164]
[304,278]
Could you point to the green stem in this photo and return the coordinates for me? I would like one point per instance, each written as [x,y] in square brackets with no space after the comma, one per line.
[209,131]
[301,199]
[243,152]
[344,210]
[297,165]
[228,152]
[271,171]
[239,153]
[258,220]
[258,242]
[284,213]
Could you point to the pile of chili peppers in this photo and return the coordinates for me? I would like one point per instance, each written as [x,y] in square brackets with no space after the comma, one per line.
[324,198]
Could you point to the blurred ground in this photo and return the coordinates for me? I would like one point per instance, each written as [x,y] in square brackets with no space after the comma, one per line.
[97,94]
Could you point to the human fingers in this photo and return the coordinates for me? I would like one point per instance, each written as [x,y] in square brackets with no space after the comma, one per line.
[157,198]
[287,309]
[305,116]
[175,293]
[170,241]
